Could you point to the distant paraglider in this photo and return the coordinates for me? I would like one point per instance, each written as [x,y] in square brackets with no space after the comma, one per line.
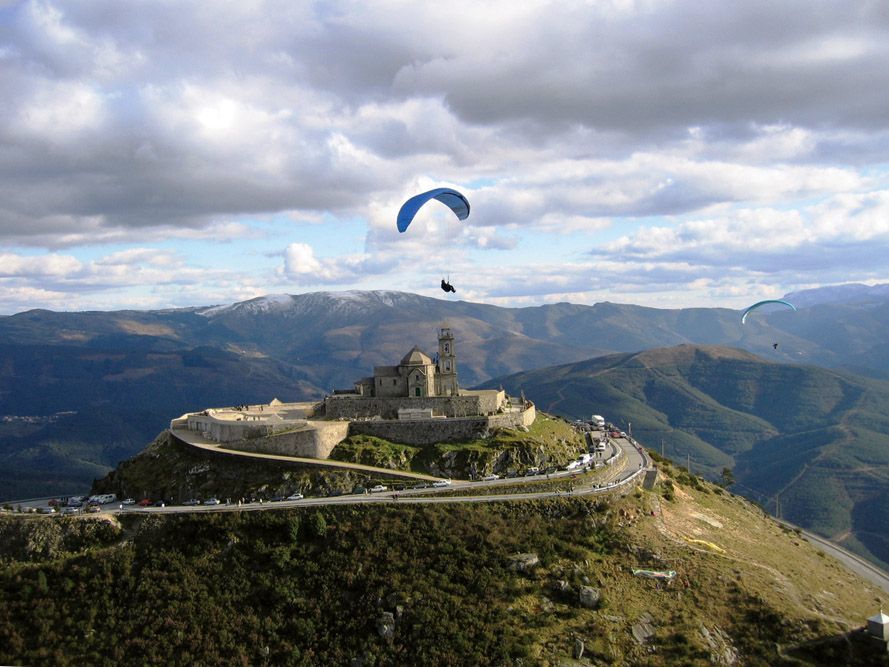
[447,287]
[450,198]
[756,305]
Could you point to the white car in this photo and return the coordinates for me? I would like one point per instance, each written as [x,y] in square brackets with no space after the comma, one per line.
[491,477]
[442,482]
[212,501]
[295,496]
[128,501]
[377,489]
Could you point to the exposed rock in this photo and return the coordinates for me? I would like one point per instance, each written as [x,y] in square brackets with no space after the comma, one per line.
[561,586]
[721,650]
[642,629]
[523,562]
[588,597]
[386,625]
[578,649]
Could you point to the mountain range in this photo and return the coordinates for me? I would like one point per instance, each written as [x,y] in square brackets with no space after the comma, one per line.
[80,391]
[809,443]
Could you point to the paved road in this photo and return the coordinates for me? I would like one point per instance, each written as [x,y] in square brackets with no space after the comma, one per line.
[625,465]
[629,463]
[857,564]
[197,441]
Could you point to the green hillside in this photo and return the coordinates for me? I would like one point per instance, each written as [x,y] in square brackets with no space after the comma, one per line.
[809,442]
[506,583]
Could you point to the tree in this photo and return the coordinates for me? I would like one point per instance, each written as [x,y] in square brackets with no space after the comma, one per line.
[728,477]
[317,525]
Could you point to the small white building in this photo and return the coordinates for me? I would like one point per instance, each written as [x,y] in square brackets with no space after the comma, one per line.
[878,626]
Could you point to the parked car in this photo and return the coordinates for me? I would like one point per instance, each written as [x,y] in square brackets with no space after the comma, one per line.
[212,501]
[191,501]
[127,501]
[70,510]
[491,477]
[277,499]
[359,489]
[442,482]
[93,509]
[378,488]
[145,502]
[295,496]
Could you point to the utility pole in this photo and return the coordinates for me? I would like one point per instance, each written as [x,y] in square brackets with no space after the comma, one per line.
[662,449]
[688,462]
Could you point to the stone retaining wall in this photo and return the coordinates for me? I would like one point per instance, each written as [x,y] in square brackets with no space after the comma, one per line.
[431,431]
[315,441]
[365,407]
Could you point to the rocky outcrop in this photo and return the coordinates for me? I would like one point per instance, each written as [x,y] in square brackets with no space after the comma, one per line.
[643,628]
[386,624]
[578,649]
[523,562]
[721,650]
[588,597]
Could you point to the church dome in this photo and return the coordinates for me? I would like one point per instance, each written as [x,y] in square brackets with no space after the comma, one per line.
[416,358]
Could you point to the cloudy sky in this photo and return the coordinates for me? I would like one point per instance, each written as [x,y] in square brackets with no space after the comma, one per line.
[161,154]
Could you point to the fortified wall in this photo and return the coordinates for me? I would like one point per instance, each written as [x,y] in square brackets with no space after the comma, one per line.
[468,403]
[431,431]
[417,402]
[303,438]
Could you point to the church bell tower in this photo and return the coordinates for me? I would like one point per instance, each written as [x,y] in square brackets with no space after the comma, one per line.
[446,374]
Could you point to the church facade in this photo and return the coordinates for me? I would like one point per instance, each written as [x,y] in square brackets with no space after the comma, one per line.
[417,375]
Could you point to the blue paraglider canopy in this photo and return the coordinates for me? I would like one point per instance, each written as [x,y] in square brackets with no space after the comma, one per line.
[756,305]
[450,198]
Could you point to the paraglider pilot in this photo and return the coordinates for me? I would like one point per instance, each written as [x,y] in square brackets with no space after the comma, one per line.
[447,287]
[774,346]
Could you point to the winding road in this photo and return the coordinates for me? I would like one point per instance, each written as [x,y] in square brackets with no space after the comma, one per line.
[628,464]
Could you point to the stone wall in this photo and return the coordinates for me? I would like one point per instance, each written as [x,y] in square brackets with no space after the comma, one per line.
[431,431]
[314,441]
[423,432]
[515,419]
[366,407]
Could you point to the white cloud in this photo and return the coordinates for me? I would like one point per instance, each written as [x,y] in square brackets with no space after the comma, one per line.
[678,125]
